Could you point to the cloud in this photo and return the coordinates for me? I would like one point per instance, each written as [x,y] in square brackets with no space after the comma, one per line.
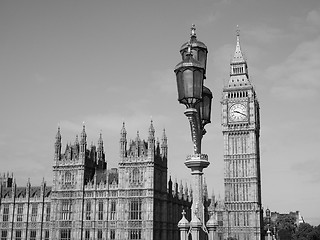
[111,124]
[209,18]
[220,61]
[66,125]
[27,160]
[307,24]
[114,89]
[264,34]
[309,168]
[293,93]
[298,76]
[3,139]
[313,17]
[229,2]
[165,81]
[39,78]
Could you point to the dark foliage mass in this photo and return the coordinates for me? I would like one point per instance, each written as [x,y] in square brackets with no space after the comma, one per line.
[286,229]
[307,232]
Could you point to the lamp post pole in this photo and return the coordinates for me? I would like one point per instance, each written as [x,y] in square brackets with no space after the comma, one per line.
[190,75]
[268,214]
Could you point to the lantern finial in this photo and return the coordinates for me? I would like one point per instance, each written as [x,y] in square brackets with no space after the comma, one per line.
[193,30]
[189,48]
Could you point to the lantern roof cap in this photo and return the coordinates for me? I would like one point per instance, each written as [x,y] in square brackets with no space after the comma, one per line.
[193,41]
[189,61]
[207,91]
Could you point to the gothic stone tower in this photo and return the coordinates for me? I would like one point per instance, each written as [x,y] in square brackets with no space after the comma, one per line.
[143,187]
[72,171]
[241,129]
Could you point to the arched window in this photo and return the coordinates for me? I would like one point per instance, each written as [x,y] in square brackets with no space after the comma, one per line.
[136,175]
[66,209]
[135,209]
[68,178]
[88,210]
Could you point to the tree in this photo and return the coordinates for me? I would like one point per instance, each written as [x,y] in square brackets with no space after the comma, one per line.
[303,231]
[285,225]
[307,232]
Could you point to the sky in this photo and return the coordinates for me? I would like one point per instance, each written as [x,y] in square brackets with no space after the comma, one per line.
[63,63]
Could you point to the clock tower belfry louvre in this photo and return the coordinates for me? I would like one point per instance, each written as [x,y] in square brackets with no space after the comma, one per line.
[242,218]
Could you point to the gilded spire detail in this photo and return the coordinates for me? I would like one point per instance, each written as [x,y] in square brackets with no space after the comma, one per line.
[189,49]
[193,30]
[58,136]
[151,129]
[100,141]
[123,129]
[238,56]
[164,136]
[83,133]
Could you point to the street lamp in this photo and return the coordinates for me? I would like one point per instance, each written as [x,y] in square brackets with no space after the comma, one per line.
[268,218]
[205,106]
[190,75]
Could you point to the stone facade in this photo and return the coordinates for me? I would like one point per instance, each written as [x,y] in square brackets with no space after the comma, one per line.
[240,216]
[88,201]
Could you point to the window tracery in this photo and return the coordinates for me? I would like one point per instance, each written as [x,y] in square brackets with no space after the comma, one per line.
[66,210]
[135,209]
[136,176]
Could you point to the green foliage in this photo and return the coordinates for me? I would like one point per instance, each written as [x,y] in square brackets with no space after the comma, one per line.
[307,232]
[285,226]
[287,229]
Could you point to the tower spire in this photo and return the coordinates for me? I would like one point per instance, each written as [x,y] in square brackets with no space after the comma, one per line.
[83,133]
[100,148]
[58,135]
[123,131]
[123,141]
[76,142]
[83,140]
[151,142]
[238,56]
[57,145]
[164,144]
[205,189]
[100,141]
[170,185]
[239,76]
[151,130]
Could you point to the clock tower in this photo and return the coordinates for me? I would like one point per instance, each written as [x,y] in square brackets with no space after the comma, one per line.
[242,218]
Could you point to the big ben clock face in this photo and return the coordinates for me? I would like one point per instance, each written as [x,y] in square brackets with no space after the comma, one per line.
[238,112]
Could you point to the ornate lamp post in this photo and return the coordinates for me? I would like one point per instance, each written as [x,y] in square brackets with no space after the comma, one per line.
[268,218]
[190,75]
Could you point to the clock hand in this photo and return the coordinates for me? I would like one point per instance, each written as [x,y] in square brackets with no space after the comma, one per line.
[240,113]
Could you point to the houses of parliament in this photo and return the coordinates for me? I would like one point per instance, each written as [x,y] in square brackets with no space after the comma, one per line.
[138,200]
